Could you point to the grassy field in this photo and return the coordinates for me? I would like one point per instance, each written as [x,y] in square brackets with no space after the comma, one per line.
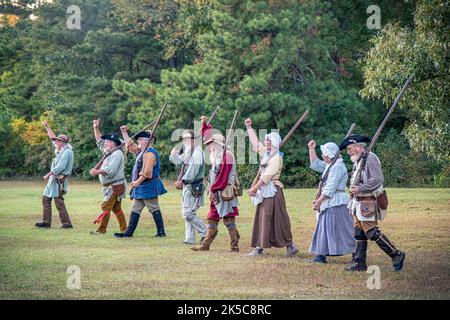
[33,262]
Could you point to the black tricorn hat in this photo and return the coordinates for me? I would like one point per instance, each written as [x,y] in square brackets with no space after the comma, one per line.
[112,137]
[357,138]
[143,134]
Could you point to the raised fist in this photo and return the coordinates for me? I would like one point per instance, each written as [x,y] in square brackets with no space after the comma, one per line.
[312,144]
[203,119]
[96,123]
[45,123]
[248,122]
[124,128]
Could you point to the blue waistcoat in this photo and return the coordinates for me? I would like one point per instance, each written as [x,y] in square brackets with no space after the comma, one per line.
[148,189]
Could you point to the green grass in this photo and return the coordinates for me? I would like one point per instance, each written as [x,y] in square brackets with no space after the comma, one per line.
[33,262]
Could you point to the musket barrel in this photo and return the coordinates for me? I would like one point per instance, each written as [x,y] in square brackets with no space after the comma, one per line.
[291,132]
[386,118]
[213,115]
[143,129]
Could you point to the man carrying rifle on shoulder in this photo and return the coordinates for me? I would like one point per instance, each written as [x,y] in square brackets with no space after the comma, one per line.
[146,183]
[110,171]
[222,175]
[190,181]
[368,203]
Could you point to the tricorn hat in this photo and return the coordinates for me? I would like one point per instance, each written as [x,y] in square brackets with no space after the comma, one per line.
[112,137]
[143,134]
[357,138]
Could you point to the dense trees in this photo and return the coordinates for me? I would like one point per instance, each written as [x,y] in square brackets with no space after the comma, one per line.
[269,59]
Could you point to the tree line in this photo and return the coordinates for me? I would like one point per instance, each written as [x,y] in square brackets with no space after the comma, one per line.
[271,60]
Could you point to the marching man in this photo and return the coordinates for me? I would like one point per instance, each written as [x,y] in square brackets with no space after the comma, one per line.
[191,183]
[222,174]
[112,178]
[146,183]
[56,179]
[364,206]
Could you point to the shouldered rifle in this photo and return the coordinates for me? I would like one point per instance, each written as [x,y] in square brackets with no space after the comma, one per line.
[106,155]
[283,142]
[356,181]
[210,119]
[324,178]
[230,131]
[143,129]
[152,134]
[214,114]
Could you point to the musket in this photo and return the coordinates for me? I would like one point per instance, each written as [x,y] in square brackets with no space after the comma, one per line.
[214,114]
[283,142]
[106,155]
[366,152]
[291,132]
[230,131]
[324,178]
[143,129]
[152,133]
[210,119]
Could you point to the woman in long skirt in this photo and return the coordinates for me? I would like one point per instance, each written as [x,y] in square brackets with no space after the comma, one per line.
[334,229]
[272,226]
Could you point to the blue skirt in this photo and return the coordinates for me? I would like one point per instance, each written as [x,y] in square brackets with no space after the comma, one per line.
[334,233]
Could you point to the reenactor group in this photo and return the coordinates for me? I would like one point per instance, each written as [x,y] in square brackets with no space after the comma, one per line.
[346,221]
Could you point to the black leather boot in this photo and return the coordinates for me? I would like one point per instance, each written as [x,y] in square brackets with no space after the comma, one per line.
[397,256]
[359,257]
[134,219]
[159,222]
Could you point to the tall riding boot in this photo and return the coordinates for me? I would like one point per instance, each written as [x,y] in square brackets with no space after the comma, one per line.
[397,256]
[121,219]
[359,257]
[159,222]
[230,223]
[46,213]
[63,214]
[134,219]
[359,260]
[211,234]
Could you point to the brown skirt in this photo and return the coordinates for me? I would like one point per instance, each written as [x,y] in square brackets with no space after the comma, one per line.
[272,226]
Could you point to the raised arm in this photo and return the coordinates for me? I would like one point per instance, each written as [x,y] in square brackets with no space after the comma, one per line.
[97,133]
[124,131]
[252,134]
[315,163]
[129,144]
[50,132]
[207,129]
[312,151]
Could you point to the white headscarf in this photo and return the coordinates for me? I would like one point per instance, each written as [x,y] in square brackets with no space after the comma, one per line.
[274,138]
[329,149]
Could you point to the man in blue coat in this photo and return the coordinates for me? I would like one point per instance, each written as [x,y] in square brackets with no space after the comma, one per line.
[146,183]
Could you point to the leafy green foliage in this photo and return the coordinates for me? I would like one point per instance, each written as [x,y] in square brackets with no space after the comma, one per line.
[271,60]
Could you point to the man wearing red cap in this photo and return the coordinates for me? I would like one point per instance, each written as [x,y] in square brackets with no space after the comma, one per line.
[56,179]
[223,173]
